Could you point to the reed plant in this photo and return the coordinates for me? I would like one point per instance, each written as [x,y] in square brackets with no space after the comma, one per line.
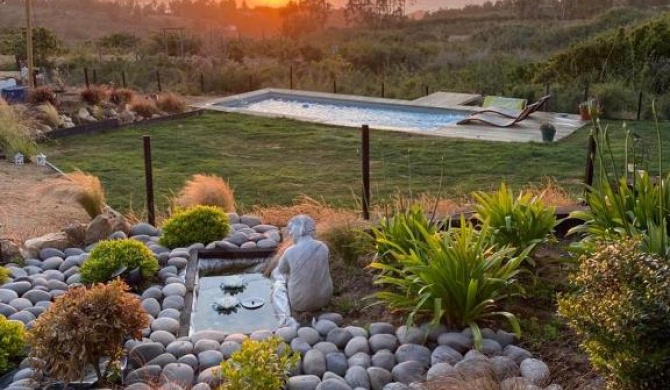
[206,190]
[86,190]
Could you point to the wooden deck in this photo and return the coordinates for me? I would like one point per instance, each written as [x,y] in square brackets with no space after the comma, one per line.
[447,99]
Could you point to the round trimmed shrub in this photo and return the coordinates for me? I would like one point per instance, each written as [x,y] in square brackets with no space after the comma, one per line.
[109,256]
[12,338]
[4,275]
[202,224]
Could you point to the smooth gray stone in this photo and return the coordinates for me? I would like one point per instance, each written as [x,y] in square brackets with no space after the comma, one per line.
[250,220]
[53,274]
[163,337]
[184,253]
[310,335]
[16,272]
[324,326]
[205,345]
[445,354]
[357,331]
[473,354]
[170,313]
[26,373]
[190,360]
[56,293]
[409,372]
[144,352]
[396,386]
[167,324]
[36,311]
[173,302]
[516,353]
[163,359]
[7,310]
[181,374]
[287,333]
[151,306]
[470,368]
[333,384]
[174,289]
[340,337]
[504,338]
[143,228]
[178,262]
[19,288]
[411,335]
[491,347]
[415,352]
[357,376]
[441,370]
[56,285]
[383,341]
[301,346]
[303,382]
[21,303]
[217,335]
[267,244]
[381,328]
[179,348]
[154,292]
[504,367]
[201,386]
[361,359]
[144,374]
[326,347]
[536,371]
[379,377]
[384,359]
[336,362]
[458,341]
[356,345]
[212,376]
[209,359]
[433,332]
[51,252]
[260,335]
[228,348]
[262,228]
[32,270]
[7,295]
[314,363]
[333,317]
[52,263]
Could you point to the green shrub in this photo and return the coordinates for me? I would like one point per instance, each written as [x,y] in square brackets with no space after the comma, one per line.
[197,224]
[259,365]
[85,325]
[457,277]
[4,274]
[347,242]
[520,222]
[12,338]
[109,256]
[620,308]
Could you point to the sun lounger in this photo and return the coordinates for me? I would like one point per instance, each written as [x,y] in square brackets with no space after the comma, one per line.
[494,119]
[513,113]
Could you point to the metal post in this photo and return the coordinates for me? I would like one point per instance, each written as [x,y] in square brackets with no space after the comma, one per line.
[123,78]
[149,180]
[334,84]
[291,77]
[639,106]
[586,91]
[427,91]
[202,83]
[590,156]
[158,80]
[86,77]
[95,76]
[382,90]
[365,169]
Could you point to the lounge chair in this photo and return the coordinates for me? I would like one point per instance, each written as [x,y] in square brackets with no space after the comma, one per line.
[511,113]
[494,119]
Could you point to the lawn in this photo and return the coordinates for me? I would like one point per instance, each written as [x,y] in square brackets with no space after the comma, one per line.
[273,161]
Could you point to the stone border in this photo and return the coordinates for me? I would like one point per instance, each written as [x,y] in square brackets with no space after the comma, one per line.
[113,124]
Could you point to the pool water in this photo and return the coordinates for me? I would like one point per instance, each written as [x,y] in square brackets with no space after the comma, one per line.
[350,113]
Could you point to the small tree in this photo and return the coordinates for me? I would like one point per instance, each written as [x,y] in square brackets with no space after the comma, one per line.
[85,325]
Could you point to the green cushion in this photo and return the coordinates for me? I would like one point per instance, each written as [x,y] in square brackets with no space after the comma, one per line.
[504,102]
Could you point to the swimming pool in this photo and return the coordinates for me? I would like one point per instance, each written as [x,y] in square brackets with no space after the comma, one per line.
[342,110]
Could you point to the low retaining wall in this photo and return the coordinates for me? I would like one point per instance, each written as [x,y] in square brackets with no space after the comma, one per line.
[113,124]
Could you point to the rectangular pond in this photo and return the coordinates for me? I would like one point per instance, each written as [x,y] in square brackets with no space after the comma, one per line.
[341,110]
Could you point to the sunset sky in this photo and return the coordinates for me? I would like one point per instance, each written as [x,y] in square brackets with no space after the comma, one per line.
[428,5]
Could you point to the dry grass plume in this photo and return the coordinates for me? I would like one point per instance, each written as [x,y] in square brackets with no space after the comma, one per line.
[207,190]
[170,102]
[81,187]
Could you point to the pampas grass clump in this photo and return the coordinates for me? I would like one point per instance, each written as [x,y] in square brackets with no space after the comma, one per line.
[206,190]
[81,187]
[143,107]
[170,102]
[14,134]
[49,115]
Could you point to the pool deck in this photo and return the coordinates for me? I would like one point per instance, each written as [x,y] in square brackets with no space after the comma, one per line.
[527,130]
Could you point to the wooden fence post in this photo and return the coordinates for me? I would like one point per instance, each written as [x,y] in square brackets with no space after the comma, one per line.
[149,180]
[290,76]
[95,77]
[202,83]
[158,80]
[365,169]
[383,89]
[590,157]
[88,85]
[639,106]
[123,78]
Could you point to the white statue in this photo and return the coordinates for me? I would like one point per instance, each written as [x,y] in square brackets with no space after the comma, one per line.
[303,272]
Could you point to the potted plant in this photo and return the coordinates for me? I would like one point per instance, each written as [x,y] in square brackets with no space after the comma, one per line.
[548,132]
[589,109]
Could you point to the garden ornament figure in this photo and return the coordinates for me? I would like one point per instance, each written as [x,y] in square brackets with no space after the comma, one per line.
[302,281]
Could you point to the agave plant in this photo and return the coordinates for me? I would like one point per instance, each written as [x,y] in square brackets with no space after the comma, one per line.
[458,277]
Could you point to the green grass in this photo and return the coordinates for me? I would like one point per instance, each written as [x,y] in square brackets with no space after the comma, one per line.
[273,161]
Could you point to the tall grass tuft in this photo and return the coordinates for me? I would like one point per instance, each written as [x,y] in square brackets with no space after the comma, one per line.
[14,134]
[81,187]
[171,103]
[143,107]
[206,190]
[41,95]
[93,95]
[49,115]
[121,96]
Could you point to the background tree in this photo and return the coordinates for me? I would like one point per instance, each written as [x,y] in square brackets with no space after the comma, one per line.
[304,17]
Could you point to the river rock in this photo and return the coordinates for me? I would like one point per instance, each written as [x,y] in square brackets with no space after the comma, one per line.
[383,341]
[356,345]
[384,359]
[314,363]
[379,377]
[337,363]
[179,348]
[409,372]
[415,352]
[181,374]
[535,370]
[357,376]
[445,354]
[303,382]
